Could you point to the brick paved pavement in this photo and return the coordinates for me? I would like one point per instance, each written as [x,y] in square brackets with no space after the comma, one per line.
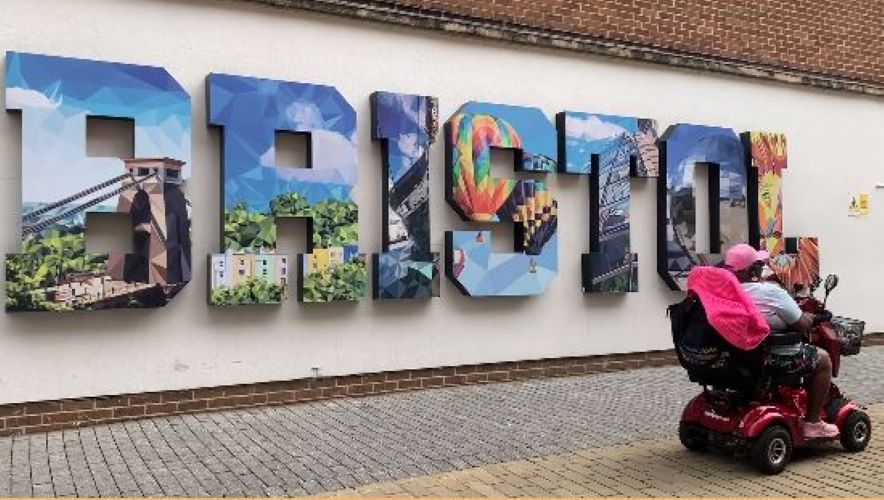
[655,468]
[347,443]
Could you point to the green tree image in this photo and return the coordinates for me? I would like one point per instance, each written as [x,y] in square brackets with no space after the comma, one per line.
[246,229]
[43,261]
[334,225]
[254,291]
[291,205]
[337,282]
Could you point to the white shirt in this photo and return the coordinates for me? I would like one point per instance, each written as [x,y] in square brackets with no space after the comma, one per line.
[775,304]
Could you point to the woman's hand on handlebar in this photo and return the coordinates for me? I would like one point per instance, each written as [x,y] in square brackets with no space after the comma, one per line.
[822,317]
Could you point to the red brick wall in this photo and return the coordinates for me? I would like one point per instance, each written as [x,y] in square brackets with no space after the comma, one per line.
[843,38]
[833,44]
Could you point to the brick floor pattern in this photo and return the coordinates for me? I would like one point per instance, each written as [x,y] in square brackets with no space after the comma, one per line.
[656,468]
[350,443]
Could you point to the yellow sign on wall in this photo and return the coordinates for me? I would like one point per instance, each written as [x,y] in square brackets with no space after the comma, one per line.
[859,205]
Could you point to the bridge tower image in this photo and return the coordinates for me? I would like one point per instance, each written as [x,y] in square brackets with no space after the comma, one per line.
[160,222]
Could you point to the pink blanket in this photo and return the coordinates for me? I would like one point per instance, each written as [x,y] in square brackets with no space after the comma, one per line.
[729,309]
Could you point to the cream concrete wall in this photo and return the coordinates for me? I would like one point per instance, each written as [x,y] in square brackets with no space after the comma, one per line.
[834,141]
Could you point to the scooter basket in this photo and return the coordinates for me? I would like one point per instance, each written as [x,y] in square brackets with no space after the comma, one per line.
[851,333]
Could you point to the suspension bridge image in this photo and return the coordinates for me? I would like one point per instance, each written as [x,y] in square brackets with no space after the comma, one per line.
[149,191]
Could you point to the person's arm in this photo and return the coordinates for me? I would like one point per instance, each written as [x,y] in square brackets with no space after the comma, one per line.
[787,309]
[804,323]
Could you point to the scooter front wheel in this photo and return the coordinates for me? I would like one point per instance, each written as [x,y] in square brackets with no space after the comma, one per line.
[772,451]
[856,431]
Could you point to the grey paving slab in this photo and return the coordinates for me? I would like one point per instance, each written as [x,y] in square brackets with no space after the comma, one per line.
[5,467]
[324,446]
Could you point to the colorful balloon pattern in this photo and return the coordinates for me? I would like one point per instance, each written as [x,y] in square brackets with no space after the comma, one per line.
[477,196]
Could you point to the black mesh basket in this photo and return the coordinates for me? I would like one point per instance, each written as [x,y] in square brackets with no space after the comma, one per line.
[851,333]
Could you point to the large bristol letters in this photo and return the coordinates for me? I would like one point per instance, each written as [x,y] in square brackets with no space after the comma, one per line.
[476,196]
[405,125]
[61,184]
[794,260]
[682,148]
[256,190]
[610,149]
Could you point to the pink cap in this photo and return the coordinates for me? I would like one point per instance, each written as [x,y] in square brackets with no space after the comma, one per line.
[741,256]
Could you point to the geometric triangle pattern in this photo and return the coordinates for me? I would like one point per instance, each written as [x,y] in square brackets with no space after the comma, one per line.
[610,149]
[406,125]
[61,184]
[256,191]
[683,148]
[477,196]
[770,159]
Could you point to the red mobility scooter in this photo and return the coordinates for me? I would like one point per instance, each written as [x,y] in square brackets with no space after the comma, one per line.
[745,409]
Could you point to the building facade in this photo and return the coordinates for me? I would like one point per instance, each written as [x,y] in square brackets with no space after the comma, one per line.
[814,74]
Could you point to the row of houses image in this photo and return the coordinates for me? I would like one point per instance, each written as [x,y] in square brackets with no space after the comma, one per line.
[236,268]
[231,269]
[322,258]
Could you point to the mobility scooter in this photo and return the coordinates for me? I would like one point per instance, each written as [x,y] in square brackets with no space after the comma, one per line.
[753,412]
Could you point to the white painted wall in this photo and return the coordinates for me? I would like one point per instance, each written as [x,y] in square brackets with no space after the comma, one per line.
[834,140]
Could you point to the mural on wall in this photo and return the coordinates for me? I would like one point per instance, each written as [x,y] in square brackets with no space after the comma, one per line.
[683,147]
[61,185]
[256,191]
[797,265]
[475,195]
[610,149]
[406,125]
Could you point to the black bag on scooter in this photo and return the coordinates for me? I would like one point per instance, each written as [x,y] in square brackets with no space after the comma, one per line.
[708,358]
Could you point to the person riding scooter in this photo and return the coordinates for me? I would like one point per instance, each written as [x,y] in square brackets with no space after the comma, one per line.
[783,314]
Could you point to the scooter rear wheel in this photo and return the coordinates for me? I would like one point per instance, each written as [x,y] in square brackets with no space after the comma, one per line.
[772,451]
[856,431]
[692,437]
